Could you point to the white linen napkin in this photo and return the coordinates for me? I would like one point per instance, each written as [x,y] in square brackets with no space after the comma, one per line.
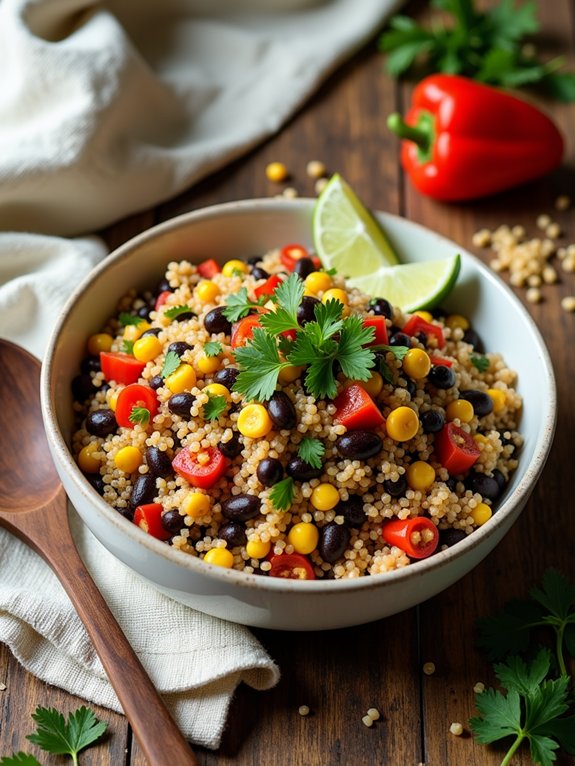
[107,108]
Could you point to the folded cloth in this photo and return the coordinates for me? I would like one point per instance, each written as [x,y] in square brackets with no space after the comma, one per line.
[107,108]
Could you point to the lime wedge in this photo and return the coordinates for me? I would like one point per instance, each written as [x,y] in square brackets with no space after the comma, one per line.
[411,286]
[346,235]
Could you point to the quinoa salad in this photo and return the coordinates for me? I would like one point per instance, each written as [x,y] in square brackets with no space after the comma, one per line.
[265,416]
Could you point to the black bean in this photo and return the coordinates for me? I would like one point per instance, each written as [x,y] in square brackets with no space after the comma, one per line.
[97,482]
[143,490]
[269,471]
[82,387]
[400,339]
[471,337]
[438,312]
[233,533]
[152,331]
[351,510]
[180,404]
[500,479]
[380,307]
[184,316]
[299,470]
[241,507]
[216,322]
[164,286]
[90,364]
[396,488]
[127,513]
[101,423]
[410,386]
[486,486]
[421,337]
[227,377]
[158,462]
[333,540]
[156,382]
[441,376]
[482,402]
[259,273]
[281,410]
[144,312]
[432,421]
[179,347]
[254,259]
[173,521]
[359,445]
[231,448]
[451,536]
[451,484]
[304,267]
[306,310]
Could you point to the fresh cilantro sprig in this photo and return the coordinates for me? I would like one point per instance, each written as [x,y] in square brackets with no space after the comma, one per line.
[127,347]
[480,362]
[139,415]
[239,305]
[213,348]
[171,364]
[282,494]
[126,319]
[311,451]
[287,296]
[59,736]
[214,407]
[176,311]
[485,45]
[260,364]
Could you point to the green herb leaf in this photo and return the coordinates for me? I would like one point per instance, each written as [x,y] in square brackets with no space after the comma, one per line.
[385,372]
[176,311]
[560,85]
[480,362]
[287,296]
[19,759]
[213,348]
[60,737]
[171,364]
[127,347]
[139,415]
[260,364]
[282,494]
[355,360]
[239,305]
[311,450]
[126,319]
[214,407]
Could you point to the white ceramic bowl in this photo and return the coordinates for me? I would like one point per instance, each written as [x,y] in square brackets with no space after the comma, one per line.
[240,230]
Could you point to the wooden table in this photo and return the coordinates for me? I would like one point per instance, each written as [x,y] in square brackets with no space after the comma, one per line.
[341,674]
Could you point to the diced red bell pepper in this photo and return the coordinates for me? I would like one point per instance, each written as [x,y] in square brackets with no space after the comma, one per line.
[439,361]
[378,323]
[149,518]
[201,475]
[417,537]
[243,330]
[268,286]
[417,324]
[134,395]
[291,566]
[208,269]
[123,368]
[291,254]
[355,409]
[455,449]
[161,299]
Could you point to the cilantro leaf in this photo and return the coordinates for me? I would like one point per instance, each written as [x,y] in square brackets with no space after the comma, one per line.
[239,305]
[328,318]
[171,364]
[214,407]
[480,362]
[126,319]
[213,348]
[556,594]
[139,415]
[60,737]
[355,360]
[282,494]
[127,347]
[500,715]
[287,296]
[177,311]
[260,364]
[311,451]
[19,759]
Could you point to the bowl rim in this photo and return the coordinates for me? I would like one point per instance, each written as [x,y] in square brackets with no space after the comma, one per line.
[198,567]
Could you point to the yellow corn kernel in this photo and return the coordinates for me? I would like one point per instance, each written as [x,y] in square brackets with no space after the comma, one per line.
[459,409]
[498,397]
[221,557]
[373,385]
[457,320]
[416,363]
[182,379]
[216,389]
[101,341]
[207,292]
[230,268]
[425,315]
[304,537]
[276,171]
[480,439]
[208,364]
[128,459]
[147,348]
[335,293]
[254,421]
[402,424]
[324,497]
[112,398]
[134,331]
[289,374]
[257,549]
[87,461]
[196,505]
[481,513]
[318,282]
[420,475]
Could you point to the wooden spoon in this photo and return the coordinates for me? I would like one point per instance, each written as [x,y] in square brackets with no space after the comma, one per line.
[33,506]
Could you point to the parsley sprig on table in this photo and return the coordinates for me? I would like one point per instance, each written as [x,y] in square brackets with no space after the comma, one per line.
[536,701]
[485,45]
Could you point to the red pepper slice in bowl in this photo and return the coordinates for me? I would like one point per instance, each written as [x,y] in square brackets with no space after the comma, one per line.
[200,475]
[378,323]
[134,396]
[208,269]
[122,368]
[455,449]
[291,566]
[355,409]
[417,537]
[291,254]
[243,330]
[149,518]
[417,324]
[268,286]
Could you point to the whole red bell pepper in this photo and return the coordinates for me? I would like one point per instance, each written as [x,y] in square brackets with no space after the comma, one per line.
[464,139]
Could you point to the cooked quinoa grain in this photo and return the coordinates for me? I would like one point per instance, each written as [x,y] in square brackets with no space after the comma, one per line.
[294,484]
[456,729]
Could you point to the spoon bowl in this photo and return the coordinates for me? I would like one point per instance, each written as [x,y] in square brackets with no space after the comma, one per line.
[33,506]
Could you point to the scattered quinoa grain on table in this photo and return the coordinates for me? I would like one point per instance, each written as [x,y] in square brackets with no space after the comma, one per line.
[563,202]
[374,714]
[456,729]
[367,721]
[429,668]
[316,169]
[357,477]
[479,687]
[303,710]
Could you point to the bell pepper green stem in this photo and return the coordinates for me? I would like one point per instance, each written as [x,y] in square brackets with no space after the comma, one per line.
[419,136]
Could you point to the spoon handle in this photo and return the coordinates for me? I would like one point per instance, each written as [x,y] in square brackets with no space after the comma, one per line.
[160,739]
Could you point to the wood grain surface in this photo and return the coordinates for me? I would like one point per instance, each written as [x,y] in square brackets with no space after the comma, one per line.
[341,674]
